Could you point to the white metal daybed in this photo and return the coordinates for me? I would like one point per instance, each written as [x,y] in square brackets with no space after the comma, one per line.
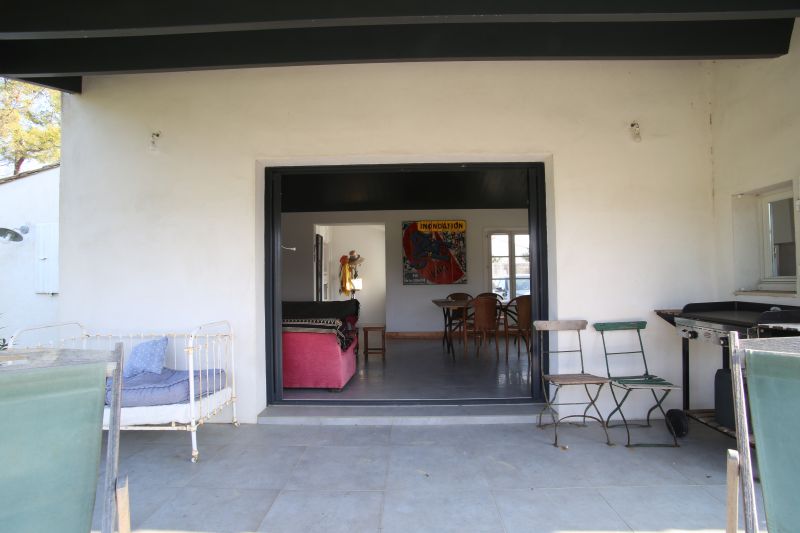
[206,352]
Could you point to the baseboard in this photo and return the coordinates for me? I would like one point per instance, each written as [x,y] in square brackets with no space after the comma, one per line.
[425,335]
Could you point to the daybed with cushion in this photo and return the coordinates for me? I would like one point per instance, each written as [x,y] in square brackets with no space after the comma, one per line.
[157,392]
[319,344]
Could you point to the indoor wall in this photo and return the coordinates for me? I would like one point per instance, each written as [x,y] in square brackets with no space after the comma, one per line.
[408,307]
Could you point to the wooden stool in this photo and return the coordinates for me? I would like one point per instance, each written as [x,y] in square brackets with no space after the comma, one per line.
[380,328]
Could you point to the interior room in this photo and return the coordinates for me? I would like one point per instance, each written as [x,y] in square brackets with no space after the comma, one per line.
[387,239]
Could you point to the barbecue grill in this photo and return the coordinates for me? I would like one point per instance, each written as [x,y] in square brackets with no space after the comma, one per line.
[713,321]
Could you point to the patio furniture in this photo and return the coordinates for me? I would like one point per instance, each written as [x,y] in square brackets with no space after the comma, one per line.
[379,350]
[519,309]
[629,383]
[773,387]
[457,315]
[51,412]
[485,321]
[194,382]
[581,379]
[489,295]
[317,354]
[448,307]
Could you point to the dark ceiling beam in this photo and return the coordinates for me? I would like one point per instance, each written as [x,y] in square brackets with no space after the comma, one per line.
[648,40]
[67,84]
[57,19]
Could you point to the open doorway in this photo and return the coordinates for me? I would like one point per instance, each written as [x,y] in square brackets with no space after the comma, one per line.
[489,201]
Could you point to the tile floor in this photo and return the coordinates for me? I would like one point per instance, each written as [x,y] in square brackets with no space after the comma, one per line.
[459,478]
[422,369]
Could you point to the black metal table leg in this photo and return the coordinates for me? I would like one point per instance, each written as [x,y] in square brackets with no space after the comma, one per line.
[685,349]
[444,335]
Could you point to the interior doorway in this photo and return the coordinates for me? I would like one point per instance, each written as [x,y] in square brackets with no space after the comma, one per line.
[489,200]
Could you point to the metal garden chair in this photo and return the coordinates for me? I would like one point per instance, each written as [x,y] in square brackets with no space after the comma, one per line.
[563,380]
[627,384]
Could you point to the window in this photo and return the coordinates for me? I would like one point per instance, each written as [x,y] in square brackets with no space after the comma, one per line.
[765,228]
[510,263]
[778,241]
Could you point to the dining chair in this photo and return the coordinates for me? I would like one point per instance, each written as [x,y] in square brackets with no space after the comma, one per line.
[485,320]
[458,316]
[522,328]
[489,295]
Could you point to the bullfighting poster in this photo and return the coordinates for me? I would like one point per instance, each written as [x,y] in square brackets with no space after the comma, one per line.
[434,252]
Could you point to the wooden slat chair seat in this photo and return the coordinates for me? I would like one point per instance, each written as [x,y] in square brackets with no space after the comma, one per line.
[627,384]
[557,381]
[576,379]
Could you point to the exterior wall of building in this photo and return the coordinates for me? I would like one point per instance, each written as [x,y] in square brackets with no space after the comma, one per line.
[172,235]
[31,201]
[756,129]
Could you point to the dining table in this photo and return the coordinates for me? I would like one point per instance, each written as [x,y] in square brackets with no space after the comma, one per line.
[448,306]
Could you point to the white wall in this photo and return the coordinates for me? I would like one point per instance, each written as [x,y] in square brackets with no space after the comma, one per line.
[756,128]
[369,241]
[31,200]
[408,307]
[175,237]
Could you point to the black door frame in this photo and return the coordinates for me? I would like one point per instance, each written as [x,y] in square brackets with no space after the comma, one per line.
[537,228]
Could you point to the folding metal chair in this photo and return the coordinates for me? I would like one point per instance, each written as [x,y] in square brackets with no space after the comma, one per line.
[628,384]
[563,380]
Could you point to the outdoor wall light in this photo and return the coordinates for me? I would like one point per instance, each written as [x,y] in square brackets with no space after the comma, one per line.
[636,132]
[13,235]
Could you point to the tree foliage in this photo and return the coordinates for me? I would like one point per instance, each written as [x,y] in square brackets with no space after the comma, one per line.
[30,124]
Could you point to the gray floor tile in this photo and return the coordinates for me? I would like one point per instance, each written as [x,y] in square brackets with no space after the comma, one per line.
[436,478]
[688,508]
[163,465]
[341,468]
[353,436]
[144,500]
[508,467]
[720,492]
[324,512]
[245,466]
[276,435]
[434,467]
[619,466]
[458,436]
[217,510]
[556,510]
[440,511]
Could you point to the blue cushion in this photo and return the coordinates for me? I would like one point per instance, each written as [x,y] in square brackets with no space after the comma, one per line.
[146,357]
[169,387]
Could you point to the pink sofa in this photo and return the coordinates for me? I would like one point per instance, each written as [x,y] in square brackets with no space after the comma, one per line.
[313,353]
[316,361]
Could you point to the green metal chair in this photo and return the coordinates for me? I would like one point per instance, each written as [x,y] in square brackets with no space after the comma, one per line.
[557,381]
[658,387]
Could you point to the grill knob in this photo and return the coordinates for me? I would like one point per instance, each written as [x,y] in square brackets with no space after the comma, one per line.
[689,334]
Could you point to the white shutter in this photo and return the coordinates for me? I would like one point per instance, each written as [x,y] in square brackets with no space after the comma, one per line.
[46,258]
